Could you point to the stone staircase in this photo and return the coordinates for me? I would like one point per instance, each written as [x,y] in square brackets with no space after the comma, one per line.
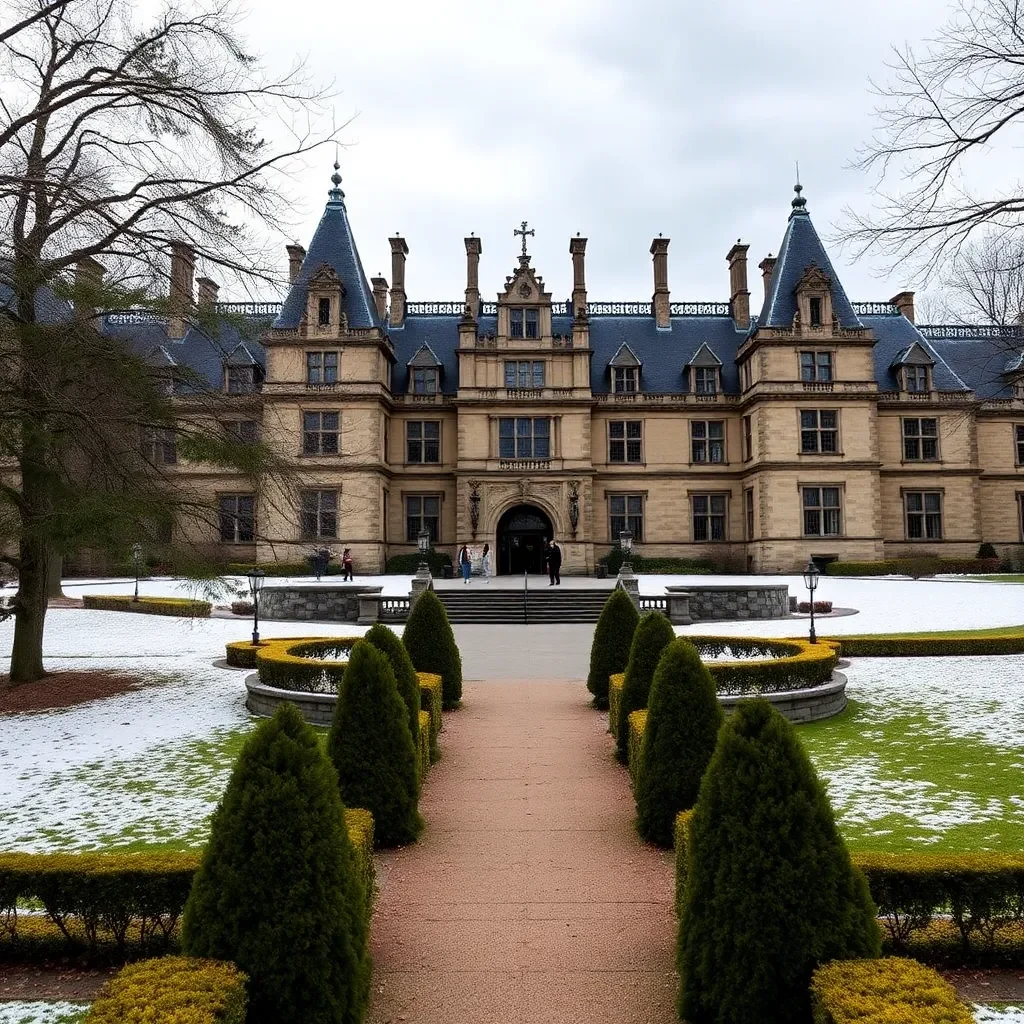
[482,605]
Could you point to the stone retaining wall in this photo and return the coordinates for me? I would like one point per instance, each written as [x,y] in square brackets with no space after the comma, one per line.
[767,601]
[316,708]
[314,602]
[808,705]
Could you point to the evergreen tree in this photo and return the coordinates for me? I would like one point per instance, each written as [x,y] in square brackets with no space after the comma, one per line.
[279,892]
[609,653]
[653,634]
[390,645]
[431,645]
[683,719]
[371,747]
[770,892]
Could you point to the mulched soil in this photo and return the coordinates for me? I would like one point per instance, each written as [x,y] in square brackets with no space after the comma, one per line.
[53,980]
[987,985]
[63,690]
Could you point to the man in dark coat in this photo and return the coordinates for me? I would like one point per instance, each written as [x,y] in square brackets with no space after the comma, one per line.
[554,557]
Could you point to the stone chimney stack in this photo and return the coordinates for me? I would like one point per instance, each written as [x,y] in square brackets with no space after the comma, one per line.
[399,250]
[767,268]
[578,250]
[474,247]
[905,303]
[207,291]
[183,268]
[660,298]
[88,279]
[739,296]
[296,254]
[380,296]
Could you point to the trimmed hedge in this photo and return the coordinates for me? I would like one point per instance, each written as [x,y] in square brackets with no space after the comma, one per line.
[616,681]
[390,645]
[925,646]
[172,988]
[183,607]
[279,568]
[889,991]
[431,700]
[406,565]
[431,645]
[923,566]
[609,652]
[653,634]
[300,665]
[637,727]
[641,564]
[423,743]
[820,607]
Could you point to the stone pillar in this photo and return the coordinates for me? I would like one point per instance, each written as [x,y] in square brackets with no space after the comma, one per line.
[399,250]
[296,254]
[678,606]
[904,301]
[660,298]
[578,249]
[380,296]
[208,291]
[739,296]
[474,247]
[767,267]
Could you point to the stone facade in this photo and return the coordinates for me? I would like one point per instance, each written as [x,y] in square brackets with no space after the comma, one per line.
[730,603]
[335,603]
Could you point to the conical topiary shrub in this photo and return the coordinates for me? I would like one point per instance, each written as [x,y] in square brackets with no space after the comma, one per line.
[279,892]
[653,634]
[683,719]
[431,645]
[371,747]
[609,652]
[390,645]
[770,891]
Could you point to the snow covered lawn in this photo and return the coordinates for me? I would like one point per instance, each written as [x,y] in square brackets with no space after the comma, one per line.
[41,1013]
[998,1014]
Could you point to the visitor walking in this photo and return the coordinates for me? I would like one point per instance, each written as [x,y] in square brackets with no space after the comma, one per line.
[346,565]
[485,564]
[554,557]
[465,563]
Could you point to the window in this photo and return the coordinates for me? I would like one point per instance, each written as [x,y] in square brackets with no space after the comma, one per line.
[323,315]
[243,431]
[819,431]
[524,374]
[924,514]
[1020,513]
[707,441]
[916,378]
[321,367]
[524,438]
[708,516]
[236,518]
[625,379]
[240,380]
[815,311]
[748,512]
[746,375]
[423,441]
[1018,433]
[319,514]
[424,381]
[626,512]
[748,437]
[320,433]
[625,441]
[705,380]
[920,440]
[816,366]
[159,445]
[523,323]
[422,512]
[821,511]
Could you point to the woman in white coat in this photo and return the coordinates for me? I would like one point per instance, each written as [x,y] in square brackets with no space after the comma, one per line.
[485,564]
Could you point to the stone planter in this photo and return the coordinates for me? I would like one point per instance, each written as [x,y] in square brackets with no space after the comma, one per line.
[808,705]
[316,708]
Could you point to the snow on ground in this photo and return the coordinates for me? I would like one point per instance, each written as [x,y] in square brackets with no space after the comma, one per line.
[998,1014]
[21,1012]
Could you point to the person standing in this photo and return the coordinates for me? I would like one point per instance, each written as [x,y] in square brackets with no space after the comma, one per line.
[485,564]
[465,563]
[554,564]
[346,565]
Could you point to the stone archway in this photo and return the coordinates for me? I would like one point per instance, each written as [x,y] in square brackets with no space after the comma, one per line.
[522,532]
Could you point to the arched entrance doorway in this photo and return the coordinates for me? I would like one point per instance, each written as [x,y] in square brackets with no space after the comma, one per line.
[522,531]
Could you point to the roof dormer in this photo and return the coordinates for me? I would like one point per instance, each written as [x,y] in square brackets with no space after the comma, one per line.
[242,371]
[913,369]
[424,372]
[705,371]
[325,295]
[625,370]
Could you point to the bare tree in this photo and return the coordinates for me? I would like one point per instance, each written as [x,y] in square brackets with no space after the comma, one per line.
[944,108]
[118,136]
[985,280]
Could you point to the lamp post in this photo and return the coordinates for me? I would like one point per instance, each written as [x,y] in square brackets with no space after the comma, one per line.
[137,567]
[256,580]
[811,574]
[627,578]
[422,580]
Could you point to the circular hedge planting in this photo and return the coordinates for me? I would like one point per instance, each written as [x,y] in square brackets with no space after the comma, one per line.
[301,664]
[767,665]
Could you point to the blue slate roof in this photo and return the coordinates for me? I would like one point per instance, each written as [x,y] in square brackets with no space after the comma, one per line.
[893,336]
[801,249]
[981,362]
[334,245]
[50,308]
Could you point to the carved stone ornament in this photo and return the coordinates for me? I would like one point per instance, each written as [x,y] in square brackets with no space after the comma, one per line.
[524,290]
[574,506]
[524,486]
[474,506]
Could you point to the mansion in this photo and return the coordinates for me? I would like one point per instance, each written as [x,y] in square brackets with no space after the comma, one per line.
[757,431]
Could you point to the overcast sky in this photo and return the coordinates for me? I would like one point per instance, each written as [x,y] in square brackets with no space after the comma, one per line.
[614,120]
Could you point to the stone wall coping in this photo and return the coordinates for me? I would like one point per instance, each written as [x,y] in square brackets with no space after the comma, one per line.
[806,705]
[755,588]
[321,588]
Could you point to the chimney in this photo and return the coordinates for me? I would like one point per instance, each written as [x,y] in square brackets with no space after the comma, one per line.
[578,249]
[399,250]
[183,267]
[207,291]
[767,268]
[88,281]
[380,296]
[296,254]
[904,302]
[473,249]
[739,296]
[662,313]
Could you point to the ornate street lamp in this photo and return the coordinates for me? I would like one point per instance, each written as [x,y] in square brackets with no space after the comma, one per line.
[257,577]
[423,538]
[137,567]
[627,578]
[811,574]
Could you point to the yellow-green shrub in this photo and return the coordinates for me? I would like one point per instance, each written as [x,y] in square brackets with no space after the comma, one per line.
[432,696]
[887,991]
[684,819]
[423,738]
[637,724]
[295,665]
[788,664]
[172,990]
[184,607]
[930,646]
[616,682]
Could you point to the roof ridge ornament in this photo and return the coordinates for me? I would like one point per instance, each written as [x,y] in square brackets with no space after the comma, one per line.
[336,195]
[524,256]
[799,204]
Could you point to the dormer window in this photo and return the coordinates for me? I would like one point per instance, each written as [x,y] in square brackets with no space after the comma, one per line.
[239,380]
[814,299]
[915,379]
[625,379]
[324,312]
[424,381]
[815,311]
[524,323]
[705,380]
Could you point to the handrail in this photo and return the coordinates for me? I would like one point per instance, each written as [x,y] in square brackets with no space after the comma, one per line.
[526,598]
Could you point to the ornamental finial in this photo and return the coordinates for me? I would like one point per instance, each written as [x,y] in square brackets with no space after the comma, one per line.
[336,193]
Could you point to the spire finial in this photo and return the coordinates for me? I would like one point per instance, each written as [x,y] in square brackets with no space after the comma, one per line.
[336,193]
[799,203]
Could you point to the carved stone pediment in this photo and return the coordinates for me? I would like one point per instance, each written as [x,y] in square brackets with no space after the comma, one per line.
[814,279]
[524,287]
